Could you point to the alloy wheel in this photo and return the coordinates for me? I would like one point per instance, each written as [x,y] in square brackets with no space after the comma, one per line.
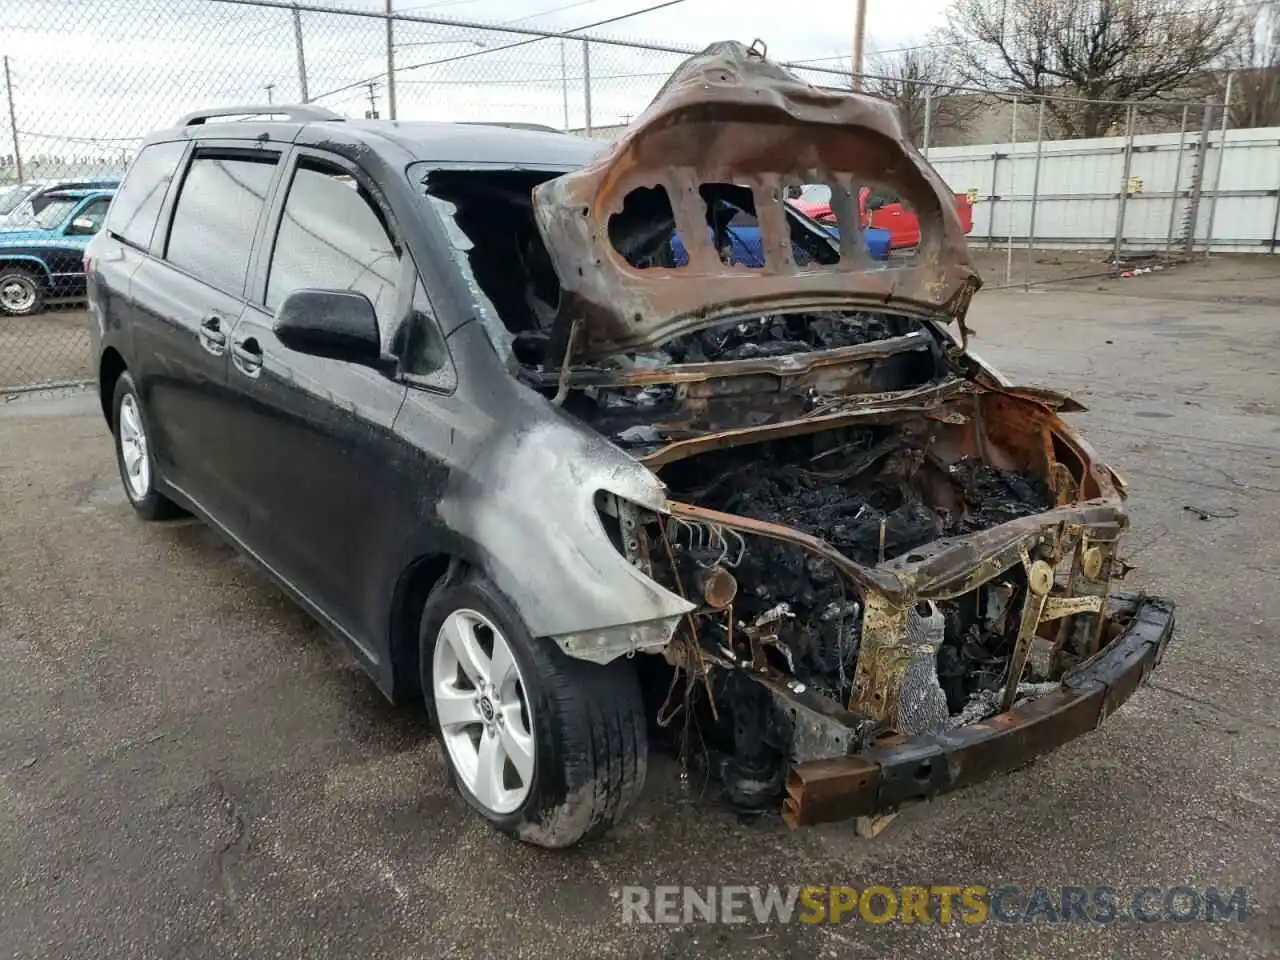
[133,448]
[483,710]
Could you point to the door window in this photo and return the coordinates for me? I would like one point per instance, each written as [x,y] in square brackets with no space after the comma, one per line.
[418,341]
[89,220]
[217,215]
[333,236]
[137,203]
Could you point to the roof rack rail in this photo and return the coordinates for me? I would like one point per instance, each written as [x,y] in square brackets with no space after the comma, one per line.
[298,111]
[513,125]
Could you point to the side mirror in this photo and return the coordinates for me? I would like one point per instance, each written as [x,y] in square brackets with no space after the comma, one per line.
[83,227]
[337,324]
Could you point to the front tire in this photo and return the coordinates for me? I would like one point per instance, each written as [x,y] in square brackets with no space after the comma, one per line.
[547,748]
[21,292]
[133,454]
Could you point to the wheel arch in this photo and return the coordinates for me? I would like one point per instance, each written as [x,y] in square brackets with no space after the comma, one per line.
[414,586]
[25,260]
[110,366]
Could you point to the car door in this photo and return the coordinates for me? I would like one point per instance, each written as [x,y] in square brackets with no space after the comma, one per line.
[888,212]
[65,258]
[185,307]
[322,481]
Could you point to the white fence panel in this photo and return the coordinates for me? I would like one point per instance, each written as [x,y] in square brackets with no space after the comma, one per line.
[1078,203]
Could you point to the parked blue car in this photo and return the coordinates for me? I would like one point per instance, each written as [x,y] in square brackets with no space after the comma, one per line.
[42,258]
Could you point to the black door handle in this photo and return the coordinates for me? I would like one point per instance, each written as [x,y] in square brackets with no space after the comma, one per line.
[247,356]
[212,337]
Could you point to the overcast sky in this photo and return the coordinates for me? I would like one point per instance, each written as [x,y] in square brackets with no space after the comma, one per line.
[110,70]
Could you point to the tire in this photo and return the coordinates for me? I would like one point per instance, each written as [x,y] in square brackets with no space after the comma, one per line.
[21,292]
[134,460]
[582,723]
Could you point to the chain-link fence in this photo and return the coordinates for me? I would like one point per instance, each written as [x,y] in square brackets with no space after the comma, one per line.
[1041,179]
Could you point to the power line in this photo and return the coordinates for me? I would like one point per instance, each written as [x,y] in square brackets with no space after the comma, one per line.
[88,140]
[543,13]
[506,46]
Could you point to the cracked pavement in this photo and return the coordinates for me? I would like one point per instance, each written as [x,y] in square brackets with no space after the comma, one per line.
[189,768]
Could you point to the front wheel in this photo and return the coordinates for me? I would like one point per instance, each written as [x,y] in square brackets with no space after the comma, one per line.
[547,748]
[21,292]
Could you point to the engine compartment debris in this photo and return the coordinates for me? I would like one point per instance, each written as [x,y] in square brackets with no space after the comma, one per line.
[875,536]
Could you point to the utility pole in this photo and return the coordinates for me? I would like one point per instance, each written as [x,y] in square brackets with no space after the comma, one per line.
[391,62]
[859,42]
[270,87]
[373,103]
[302,56]
[13,121]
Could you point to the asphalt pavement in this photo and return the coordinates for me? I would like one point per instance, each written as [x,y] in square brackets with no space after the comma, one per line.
[190,768]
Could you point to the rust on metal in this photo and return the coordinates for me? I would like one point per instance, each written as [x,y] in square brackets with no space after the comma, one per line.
[897,770]
[882,659]
[728,116]
[718,587]
[869,409]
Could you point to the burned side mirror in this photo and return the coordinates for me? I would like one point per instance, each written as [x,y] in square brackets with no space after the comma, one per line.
[336,324]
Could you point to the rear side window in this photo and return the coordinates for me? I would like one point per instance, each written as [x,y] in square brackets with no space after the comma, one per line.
[216,216]
[333,237]
[137,203]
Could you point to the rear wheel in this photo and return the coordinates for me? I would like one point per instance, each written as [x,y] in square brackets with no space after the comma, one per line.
[21,292]
[547,748]
[133,454]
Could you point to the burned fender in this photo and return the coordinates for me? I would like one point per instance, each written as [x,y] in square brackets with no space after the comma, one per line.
[530,498]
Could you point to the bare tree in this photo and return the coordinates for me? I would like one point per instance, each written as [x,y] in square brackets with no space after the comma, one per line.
[1094,50]
[920,80]
[1255,63]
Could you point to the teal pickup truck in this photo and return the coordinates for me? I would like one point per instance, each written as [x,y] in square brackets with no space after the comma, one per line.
[42,252]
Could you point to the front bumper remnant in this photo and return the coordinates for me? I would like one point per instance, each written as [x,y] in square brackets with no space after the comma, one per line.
[898,770]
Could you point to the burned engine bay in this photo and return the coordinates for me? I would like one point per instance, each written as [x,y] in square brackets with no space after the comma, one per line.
[782,519]
[813,461]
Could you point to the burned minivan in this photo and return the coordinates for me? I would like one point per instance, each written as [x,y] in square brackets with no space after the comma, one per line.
[588,445]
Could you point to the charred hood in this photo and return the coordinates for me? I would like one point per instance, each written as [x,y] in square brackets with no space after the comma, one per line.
[730,122]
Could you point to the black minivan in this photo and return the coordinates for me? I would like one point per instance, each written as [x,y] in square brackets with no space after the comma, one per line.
[508,413]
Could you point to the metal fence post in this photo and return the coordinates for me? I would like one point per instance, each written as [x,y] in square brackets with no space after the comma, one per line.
[13,121]
[1013,168]
[564,83]
[1125,173]
[391,61]
[928,116]
[1197,181]
[991,197]
[1275,220]
[1217,173]
[1035,195]
[586,84]
[1177,179]
[302,56]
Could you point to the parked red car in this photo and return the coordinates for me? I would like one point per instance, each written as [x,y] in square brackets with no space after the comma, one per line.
[884,209]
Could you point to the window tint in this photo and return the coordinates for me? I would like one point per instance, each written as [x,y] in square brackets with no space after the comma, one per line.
[137,204]
[216,216]
[879,196]
[332,237]
[54,212]
[418,341]
[94,211]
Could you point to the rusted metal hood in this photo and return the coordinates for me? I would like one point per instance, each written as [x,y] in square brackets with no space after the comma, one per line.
[730,116]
